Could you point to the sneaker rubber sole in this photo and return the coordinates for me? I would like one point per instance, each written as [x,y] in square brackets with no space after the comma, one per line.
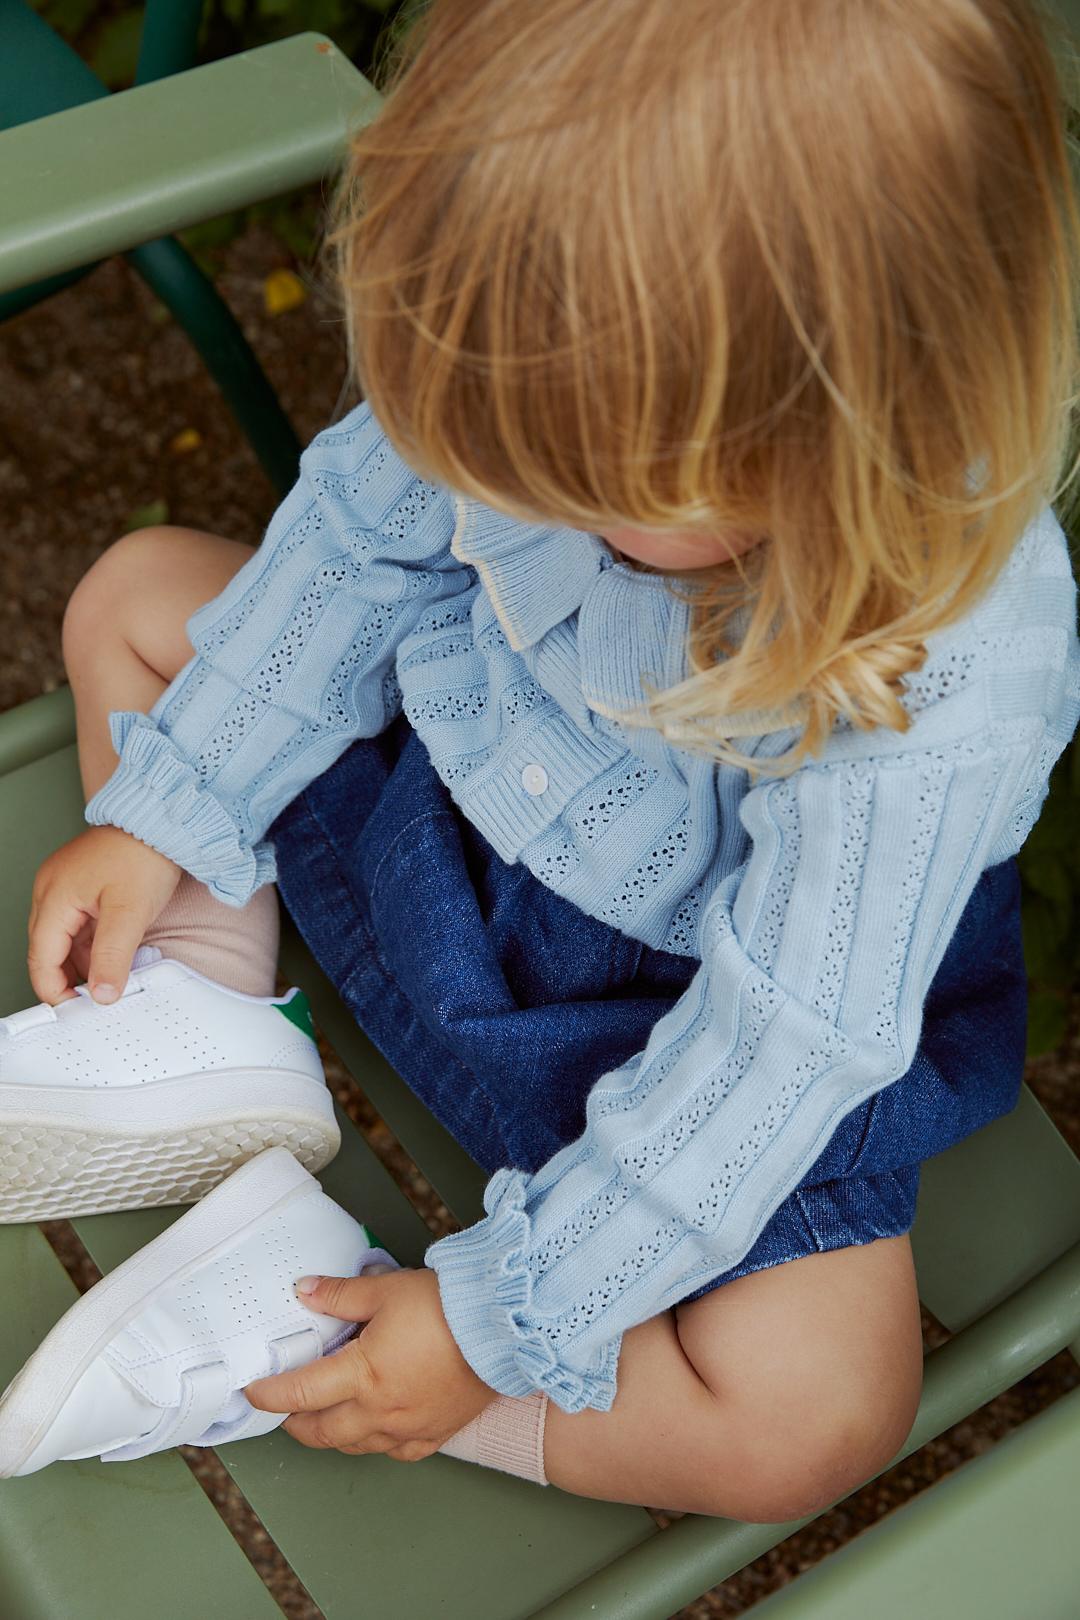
[67,1151]
[35,1396]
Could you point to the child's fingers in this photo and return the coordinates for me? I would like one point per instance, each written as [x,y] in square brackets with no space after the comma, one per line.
[119,931]
[80,954]
[353,1299]
[52,927]
[345,1428]
[343,1376]
[414,1450]
[338,1428]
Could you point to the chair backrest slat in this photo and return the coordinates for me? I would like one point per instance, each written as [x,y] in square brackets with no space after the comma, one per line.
[101,178]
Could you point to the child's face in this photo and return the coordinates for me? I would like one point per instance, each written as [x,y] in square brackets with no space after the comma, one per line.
[678,548]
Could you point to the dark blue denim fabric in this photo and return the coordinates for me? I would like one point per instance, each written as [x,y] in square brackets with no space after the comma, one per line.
[501,1004]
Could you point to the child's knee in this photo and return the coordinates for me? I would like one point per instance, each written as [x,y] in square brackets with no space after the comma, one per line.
[794,1466]
[99,605]
[142,591]
[817,1367]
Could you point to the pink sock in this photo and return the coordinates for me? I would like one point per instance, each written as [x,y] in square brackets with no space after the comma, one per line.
[236,946]
[508,1434]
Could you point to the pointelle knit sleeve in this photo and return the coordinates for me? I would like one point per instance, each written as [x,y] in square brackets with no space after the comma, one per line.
[293,661]
[816,956]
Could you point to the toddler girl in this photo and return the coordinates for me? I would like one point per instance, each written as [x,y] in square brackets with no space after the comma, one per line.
[643,696]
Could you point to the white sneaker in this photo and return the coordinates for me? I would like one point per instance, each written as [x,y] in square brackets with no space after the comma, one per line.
[156,1097]
[158,1353]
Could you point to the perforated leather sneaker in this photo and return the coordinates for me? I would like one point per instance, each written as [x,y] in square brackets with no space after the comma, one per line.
[158,1353]
[156,1097]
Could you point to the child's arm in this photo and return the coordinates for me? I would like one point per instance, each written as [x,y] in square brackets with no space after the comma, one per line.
[816,958]
[293,661]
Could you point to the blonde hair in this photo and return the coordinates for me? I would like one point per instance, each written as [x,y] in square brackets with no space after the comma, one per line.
[807,270]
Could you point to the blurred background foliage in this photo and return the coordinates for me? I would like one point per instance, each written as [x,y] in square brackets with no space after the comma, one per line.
[106,33]
[1050,870]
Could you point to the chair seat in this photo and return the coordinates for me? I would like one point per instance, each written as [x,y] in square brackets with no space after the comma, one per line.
[953,1551]
[441,1537]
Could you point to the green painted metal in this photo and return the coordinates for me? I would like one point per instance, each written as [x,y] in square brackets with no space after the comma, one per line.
[995,1541]
[993,1212]
[80,1542]
[36,729]
[169,37]
[101,178]
[170,272]
[39,72]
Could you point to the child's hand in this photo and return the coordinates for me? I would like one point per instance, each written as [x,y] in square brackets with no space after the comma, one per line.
[93,900]
[401,1387]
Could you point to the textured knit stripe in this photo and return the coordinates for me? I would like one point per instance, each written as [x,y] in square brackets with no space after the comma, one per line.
[820,905]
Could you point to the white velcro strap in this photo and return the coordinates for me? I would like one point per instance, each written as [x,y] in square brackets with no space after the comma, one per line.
[204,1391]
[296,1349]
[132,987]
[292,1350]
[30,1018]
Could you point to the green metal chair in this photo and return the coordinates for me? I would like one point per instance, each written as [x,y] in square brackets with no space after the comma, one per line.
[41,74]
[997,1238]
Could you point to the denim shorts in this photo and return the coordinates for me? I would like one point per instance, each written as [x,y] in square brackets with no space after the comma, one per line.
[501,1004]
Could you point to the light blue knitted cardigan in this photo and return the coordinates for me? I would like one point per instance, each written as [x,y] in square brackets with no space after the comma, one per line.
[820,905]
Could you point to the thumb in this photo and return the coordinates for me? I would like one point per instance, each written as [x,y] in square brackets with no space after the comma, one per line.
[120,928]
[353,1299]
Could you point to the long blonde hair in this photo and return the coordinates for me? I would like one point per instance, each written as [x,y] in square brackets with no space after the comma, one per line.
[808,270]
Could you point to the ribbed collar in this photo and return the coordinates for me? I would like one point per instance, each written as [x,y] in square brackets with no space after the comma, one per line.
[629,626]
[535,576]
[632,627]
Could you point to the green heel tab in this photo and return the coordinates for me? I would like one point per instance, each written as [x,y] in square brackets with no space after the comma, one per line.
[298,1011]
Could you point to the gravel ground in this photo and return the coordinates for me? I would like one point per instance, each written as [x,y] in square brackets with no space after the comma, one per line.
[106,411]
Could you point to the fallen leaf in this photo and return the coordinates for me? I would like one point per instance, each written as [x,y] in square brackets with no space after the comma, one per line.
[186,440]
[283,290]
[144,517]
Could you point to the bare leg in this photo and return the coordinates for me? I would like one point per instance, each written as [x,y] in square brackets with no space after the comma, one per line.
[765,1400]
[124,642]
[124,638]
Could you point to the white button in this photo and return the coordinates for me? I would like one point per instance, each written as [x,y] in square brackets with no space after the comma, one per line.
[534,779]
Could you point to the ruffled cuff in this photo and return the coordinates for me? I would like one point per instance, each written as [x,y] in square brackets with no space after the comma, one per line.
[155,795]
[486,1291]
